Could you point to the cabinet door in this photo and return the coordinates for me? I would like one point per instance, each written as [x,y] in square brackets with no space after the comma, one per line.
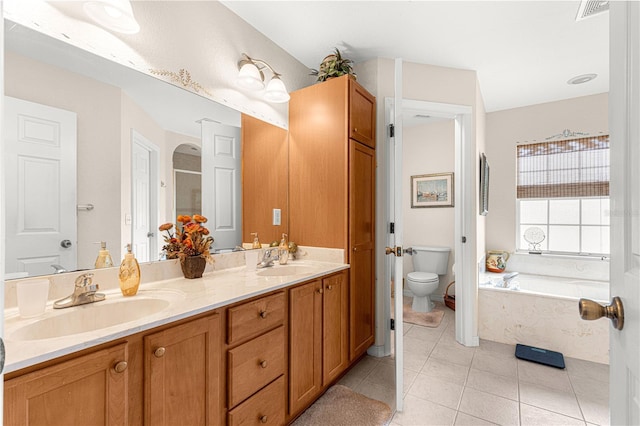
[362,115]
[335,326]
[182,374]
[305,358]
[87,390]
[362,168]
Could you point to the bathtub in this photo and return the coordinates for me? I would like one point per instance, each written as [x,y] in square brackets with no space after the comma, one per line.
[542,311]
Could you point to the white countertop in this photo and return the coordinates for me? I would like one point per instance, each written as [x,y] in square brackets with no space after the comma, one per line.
[186,298]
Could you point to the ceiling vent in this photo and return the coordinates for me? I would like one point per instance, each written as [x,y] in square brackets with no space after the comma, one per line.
[589,8]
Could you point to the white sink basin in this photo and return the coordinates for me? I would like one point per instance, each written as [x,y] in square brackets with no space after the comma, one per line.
[93,316]
[284,271]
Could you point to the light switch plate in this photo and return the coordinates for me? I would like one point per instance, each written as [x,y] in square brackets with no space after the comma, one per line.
[276,217]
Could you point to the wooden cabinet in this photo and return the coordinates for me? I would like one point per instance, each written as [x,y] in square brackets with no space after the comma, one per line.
[88,390]
[318,338]
[183,374]
[264,408]
[332,187]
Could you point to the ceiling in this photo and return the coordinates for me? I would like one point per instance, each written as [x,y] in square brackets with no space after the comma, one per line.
[523,51]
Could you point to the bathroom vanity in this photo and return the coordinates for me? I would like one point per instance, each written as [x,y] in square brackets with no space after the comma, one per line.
[235,347]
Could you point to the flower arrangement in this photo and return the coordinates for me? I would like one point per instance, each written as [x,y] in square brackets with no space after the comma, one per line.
[191,238]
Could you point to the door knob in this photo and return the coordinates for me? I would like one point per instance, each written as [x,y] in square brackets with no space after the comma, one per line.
[397,251]
[150,234]
[590,310]
[65,243]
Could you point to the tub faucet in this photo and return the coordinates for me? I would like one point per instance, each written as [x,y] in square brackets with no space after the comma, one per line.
[506,279]
[58,269]
[270,255]
[83,293]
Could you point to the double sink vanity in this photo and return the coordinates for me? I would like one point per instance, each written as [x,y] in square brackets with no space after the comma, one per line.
[236,347]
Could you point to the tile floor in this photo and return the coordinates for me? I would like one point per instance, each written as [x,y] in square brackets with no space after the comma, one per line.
[446,383]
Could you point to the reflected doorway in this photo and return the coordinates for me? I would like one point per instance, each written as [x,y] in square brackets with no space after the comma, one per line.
[187,180]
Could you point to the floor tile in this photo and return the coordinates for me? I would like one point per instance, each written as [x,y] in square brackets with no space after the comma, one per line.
[454,353]
[504,386]
[406,326]
[364,366]
[445,370]
[503,366]
[378,392]
[550,399]
[417,346]
[463,419]
[489,407]
[543,375]
[436,390]
[498,349]
[423,413]
[594,389]
[414,361]
[533,416]
[385,375]
[350,380]
[591,370]
[425,333]
[594,411]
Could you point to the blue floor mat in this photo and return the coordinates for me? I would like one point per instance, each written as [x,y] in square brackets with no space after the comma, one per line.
[541,356]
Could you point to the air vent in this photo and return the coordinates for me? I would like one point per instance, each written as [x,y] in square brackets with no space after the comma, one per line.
[589,8]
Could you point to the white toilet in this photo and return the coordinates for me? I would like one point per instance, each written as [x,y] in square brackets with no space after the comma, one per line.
[428,263]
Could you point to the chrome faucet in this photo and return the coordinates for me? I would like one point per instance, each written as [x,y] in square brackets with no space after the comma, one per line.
[506,279]
[83,293]
[270,255]
[59,269]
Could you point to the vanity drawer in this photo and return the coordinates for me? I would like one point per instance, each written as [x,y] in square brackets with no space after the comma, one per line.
[254,318]
[254,364]
[265,407]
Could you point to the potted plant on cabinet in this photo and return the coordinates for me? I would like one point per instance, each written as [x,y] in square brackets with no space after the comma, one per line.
[332,66]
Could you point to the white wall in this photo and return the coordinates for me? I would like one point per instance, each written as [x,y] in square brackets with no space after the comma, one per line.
[428,148]
[535,123]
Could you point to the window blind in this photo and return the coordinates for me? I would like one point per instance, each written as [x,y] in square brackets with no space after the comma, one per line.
[570,168]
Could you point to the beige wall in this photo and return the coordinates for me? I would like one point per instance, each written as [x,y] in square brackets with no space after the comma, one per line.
[428,148]
[535,123]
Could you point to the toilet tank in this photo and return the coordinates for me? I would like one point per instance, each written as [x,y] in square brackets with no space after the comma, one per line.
[431,259]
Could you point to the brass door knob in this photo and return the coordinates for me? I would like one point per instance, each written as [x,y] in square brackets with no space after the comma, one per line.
[389,250]
[263,314]
[263,363]
[590,310]
[159,353]
[120,366]
[263,419]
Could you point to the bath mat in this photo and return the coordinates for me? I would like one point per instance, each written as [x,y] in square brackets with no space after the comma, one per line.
[541,356]
[426,319]
[342,406]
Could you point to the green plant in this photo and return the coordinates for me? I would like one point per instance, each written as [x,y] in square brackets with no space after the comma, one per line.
[333,65]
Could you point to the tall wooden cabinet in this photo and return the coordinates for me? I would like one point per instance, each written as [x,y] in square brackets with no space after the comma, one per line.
[332,187]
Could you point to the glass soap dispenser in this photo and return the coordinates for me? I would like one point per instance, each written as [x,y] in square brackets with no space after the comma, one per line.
[256,242]
[129,274]
[104,257]
[283,250]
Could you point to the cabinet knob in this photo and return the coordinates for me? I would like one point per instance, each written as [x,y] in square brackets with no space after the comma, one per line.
[329,287]
[263,363]
[263,419]
[355,249]
[320,290]
[263,314]
[159,353]
[120,366]
[355,130]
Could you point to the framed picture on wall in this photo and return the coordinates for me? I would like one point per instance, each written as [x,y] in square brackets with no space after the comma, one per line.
[433,190]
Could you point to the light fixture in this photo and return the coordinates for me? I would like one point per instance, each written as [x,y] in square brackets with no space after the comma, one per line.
[584,78]
[251,77]
[114,15]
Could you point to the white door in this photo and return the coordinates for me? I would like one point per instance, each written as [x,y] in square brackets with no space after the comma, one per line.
[395,210]
[144,198]
[221,181]
[624,122]
[40,197]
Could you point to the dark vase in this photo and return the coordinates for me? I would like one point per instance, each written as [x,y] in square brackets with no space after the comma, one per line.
[193,266]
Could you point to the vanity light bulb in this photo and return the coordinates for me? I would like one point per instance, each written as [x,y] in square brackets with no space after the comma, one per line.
[115,15]
[276,91]
[250,78]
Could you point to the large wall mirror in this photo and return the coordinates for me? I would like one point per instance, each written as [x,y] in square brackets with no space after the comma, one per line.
[97,151]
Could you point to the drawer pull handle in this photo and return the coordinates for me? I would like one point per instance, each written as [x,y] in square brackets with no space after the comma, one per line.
[120,366]
[159,353]
[263,314]
[263,419]
[263,363]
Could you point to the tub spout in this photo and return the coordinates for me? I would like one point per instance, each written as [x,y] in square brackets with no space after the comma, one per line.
[506,279]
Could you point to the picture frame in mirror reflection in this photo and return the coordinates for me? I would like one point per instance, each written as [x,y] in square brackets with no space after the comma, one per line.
[432,190]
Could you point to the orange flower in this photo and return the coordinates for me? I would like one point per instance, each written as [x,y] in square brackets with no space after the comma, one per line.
[205,231]
[184,218]
[199,218]
[166,226]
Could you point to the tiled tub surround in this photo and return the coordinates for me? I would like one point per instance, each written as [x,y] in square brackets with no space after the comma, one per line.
[544,313]
[224,282]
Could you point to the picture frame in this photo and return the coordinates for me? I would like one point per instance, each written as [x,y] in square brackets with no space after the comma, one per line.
[432,190]
[484,185]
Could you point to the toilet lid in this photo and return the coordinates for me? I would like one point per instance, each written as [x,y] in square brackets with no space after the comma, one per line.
[423,277]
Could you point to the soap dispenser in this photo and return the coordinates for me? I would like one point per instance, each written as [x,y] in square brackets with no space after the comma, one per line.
[283,250]
[129,274]
[104,257]
[256,242]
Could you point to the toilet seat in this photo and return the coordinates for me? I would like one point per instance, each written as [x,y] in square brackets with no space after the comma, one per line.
[423,277]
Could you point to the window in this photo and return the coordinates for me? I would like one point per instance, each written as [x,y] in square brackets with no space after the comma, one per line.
[563,189]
